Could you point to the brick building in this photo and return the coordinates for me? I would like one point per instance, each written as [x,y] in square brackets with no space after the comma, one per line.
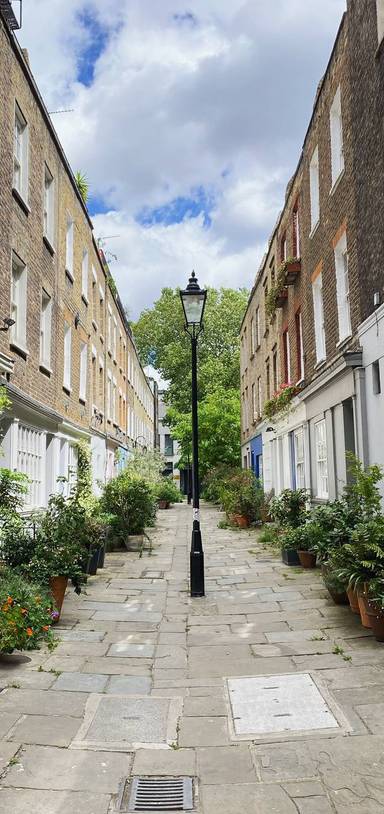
[323,288]
[66,354]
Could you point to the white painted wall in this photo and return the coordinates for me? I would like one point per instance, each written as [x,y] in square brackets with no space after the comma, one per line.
[371,335]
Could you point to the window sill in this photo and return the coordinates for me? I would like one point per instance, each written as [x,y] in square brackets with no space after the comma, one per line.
[45,369]
[67,390]
[320,364]
[95,326]
[48,245]
[337,181]
[85,301]
[82,401]
[101,339]
[343,341]
[20,200]
[300,383]
[19,348]
[314,229]
[69,275]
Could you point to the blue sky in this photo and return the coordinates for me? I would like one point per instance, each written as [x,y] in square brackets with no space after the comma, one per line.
[183,122]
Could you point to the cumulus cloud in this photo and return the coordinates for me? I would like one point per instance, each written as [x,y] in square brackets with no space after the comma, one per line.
[207,101]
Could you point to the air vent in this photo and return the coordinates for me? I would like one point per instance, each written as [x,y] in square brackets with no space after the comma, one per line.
[161,794]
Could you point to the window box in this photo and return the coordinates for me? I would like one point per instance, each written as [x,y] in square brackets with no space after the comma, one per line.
[292,270]
[280,402]
[282,298]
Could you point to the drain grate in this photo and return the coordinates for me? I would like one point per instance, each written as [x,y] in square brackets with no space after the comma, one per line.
[161,794]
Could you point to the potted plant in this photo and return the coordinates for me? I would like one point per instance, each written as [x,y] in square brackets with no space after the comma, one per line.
[336,586]
[131,503]
[376,607]
[360,561]
[292,268]
[166,493]
[242,498]
[305,537]
[25,614]
[289,510]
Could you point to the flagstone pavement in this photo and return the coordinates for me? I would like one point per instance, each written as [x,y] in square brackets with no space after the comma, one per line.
[141,686]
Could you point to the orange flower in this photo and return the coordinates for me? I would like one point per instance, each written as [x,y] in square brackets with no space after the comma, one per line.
[9,600]
[24,610]
[29,631]
[45,627]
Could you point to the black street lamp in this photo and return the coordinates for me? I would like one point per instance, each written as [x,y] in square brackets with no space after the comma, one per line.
[193,300]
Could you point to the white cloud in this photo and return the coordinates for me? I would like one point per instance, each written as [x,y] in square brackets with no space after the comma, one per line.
[220,101]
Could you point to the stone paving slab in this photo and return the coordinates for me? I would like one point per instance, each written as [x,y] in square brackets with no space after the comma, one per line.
[47,767]
[27,801]
[53,730]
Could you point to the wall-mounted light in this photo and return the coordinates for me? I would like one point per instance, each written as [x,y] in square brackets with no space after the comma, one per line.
[8,322]
[270,429]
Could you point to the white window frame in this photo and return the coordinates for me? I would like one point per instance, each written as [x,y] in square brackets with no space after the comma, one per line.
[342,288]
[296,229]
[67,370]
[254,403]
[19,303]
[49,206]
[380,19]
[83,371]
[318,311]
[31,461]
[314,189]
[287,354]
[69,246]
[336,130]
[298,440]
[84,275]
[257,327]
[20,154]
[45,330]
[301,348]
[321,459]
[259,397]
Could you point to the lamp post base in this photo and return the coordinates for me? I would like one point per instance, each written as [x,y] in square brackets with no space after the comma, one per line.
[197,565]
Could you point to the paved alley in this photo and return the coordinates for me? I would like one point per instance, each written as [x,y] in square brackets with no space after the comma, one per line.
[264,693]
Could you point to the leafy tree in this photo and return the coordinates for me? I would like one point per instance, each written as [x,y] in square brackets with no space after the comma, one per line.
[162,342]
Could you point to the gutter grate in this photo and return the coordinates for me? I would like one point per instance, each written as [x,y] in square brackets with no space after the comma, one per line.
[161,794]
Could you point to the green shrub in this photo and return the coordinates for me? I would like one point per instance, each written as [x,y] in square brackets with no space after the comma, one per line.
[243,494]
[362,559]
[167,490]
[301,538]
[13,488]
[214,481]
[131,502]
[290,508]
[25,614]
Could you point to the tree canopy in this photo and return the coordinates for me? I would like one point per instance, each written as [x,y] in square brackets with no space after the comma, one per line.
[163,343]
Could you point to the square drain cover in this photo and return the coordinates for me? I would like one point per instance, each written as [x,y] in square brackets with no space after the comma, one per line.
[161,794]
[262,705]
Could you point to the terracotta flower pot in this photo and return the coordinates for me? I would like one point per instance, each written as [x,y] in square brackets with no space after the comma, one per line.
[163,504]
[58,587]
[364,609]
[241,521]
[353,600]
[377,620]
[307,559]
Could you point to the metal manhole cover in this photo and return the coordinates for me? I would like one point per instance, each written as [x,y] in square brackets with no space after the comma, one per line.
[160,794]
[264,705]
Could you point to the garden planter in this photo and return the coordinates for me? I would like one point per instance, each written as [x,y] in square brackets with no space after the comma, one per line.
[365,611]
[290,556]
[282,298]
[307,559]
[100,562]
[292,271]
[339,597]
[134,542]
[93,561]
[240,520]
[163,504]
[377,624]
[353,600]
[58,587]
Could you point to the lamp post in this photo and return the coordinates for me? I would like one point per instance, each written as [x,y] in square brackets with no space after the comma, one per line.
[193,299]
